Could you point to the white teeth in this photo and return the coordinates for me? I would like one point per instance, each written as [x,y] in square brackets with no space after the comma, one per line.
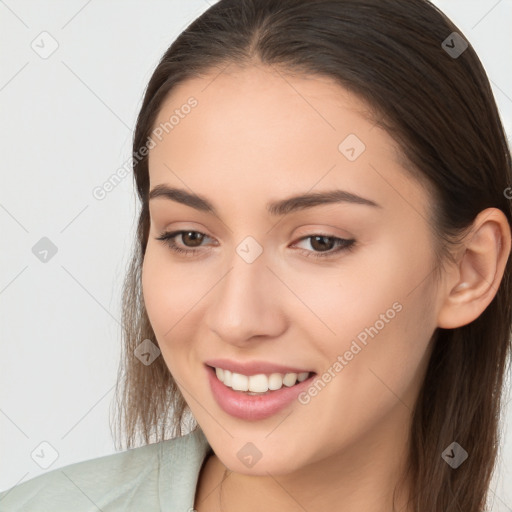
[302,376]
[259,383]
[290,379]
[240,382]
[275,381]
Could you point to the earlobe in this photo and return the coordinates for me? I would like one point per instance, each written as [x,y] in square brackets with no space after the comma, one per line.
[479,271]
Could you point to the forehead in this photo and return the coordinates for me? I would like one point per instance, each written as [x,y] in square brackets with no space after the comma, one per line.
[273,129]
[257,100]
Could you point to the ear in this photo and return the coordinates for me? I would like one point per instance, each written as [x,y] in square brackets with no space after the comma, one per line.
[474,281]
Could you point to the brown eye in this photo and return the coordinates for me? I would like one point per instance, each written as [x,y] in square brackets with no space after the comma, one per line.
[193,236]
[319,243]
[189,245]
[324,246]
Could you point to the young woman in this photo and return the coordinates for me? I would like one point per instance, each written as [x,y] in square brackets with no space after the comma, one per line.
[321,288]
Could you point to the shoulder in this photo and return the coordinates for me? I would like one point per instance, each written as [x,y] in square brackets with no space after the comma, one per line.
[135,479]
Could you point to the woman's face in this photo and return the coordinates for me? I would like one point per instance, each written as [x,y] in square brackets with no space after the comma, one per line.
[279,286]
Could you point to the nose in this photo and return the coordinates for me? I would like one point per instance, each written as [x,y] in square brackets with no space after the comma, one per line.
[246,303]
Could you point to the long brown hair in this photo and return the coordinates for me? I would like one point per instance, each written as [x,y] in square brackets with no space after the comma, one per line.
[440,110]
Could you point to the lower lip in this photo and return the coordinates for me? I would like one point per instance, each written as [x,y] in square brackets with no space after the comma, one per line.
[253,407]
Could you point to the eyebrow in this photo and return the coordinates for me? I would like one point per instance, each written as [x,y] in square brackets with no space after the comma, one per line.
[276,208]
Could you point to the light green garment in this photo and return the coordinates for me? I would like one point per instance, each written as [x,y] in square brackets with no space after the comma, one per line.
[159,477]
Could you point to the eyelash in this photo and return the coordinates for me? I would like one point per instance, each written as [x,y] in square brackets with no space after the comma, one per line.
[347,245]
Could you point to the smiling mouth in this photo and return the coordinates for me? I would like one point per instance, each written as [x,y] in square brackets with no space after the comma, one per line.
[259,384]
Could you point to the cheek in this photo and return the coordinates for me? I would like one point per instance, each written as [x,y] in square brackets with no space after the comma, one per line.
[168,291]
[160,304]
[374,380]
[381,315]
[152,289]
[164,305]
[171,298]
[362,294]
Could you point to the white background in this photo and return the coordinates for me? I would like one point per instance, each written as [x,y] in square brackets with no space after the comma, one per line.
[66,127]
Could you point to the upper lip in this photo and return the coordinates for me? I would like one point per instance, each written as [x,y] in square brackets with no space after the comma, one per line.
[249,368]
